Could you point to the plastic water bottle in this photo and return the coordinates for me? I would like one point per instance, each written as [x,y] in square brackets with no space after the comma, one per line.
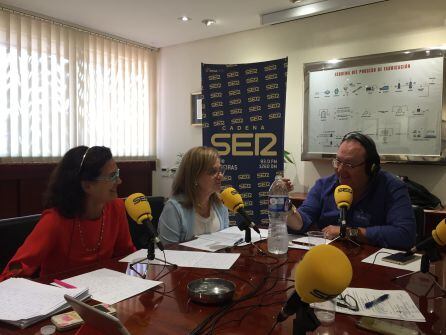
[277,211]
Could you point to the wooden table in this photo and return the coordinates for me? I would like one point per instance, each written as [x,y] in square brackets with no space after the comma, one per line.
[263,285]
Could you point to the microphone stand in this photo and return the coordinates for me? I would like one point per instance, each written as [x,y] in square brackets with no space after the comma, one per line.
[247,234]
[305,319]
[431,254]
[343,229]
[150,257]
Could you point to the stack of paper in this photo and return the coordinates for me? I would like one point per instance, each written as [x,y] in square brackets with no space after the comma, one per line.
[228,237]
[398,305]
[24,302]
[109,286]
[187,259]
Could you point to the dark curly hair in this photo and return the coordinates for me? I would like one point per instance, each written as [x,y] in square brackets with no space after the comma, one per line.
[64,190]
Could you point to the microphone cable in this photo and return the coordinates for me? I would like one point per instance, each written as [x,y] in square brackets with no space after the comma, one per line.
[218,314]
[212,319]
[266,293]
[249,308]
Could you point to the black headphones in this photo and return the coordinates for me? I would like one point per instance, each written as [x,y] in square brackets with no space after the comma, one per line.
[373,162]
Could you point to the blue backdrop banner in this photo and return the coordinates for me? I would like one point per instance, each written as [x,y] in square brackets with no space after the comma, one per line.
[243,118]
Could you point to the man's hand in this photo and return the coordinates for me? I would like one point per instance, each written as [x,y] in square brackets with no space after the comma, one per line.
[289,184]
[331,232]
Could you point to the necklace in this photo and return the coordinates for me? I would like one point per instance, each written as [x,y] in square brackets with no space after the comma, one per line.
[101,235]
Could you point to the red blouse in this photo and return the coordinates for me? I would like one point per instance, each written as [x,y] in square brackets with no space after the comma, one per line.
[57,243]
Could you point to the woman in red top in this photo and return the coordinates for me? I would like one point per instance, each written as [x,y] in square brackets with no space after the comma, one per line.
[84,221]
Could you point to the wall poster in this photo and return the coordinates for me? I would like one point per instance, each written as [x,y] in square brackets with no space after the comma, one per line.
[396,98]
[243,118]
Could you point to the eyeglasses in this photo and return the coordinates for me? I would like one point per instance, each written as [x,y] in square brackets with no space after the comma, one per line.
[337,164]
[347,301]
[112,178]
[215,172]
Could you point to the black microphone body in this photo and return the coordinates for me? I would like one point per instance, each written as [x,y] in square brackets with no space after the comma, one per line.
[426,244]
[305,320]
[291,306]
[152,234]
[248,220]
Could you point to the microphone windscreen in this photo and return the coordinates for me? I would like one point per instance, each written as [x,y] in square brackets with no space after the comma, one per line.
[322,274]
[231,199]
[343,196]
[138,208]
[439,233]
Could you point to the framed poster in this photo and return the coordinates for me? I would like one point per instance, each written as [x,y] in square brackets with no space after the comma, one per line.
[396,98]
[196,109]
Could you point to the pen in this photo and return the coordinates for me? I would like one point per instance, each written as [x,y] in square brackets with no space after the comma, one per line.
[376,301]
[240,240]
[63,284]
[303,243]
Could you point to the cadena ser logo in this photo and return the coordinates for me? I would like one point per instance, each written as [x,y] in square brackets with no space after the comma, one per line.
[137,200]
[245,144]
[253,89]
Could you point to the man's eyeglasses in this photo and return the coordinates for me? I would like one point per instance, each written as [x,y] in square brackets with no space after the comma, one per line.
[215,172]
[112,178]
[347,301]
[337,163]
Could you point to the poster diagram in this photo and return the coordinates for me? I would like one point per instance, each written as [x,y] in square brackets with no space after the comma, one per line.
[398,104]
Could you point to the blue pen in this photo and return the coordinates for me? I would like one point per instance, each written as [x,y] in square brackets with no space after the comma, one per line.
[240,240]
[376,301]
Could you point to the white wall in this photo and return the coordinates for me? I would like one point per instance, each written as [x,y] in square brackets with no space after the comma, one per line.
[384,27]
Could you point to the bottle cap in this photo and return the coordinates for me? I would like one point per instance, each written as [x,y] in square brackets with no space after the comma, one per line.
[48,330]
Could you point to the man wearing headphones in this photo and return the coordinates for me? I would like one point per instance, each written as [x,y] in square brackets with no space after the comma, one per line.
[381,213]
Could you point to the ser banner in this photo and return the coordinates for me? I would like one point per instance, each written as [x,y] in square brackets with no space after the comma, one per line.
[243,118]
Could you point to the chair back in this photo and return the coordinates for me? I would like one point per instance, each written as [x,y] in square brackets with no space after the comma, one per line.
[13,232]
[140,233]
[418,213]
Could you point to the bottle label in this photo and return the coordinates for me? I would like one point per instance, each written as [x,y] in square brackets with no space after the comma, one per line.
[278,203]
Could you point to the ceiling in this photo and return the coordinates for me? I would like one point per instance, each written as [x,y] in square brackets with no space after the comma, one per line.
[155,22]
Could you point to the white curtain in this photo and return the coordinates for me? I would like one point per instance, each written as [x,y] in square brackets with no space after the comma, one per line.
[61,87]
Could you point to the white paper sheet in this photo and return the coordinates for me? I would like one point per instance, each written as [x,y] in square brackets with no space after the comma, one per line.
[191,259]
[223,239]
[110,286]
[414,266]
[399,305]
[302,242]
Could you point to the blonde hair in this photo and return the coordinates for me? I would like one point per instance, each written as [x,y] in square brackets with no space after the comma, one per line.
[196,161]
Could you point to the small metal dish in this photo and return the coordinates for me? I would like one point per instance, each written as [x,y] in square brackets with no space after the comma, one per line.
[211,290]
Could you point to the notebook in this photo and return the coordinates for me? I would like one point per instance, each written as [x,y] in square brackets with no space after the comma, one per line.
[25,302]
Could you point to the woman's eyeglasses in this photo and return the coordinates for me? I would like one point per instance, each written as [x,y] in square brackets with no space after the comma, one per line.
[112,178]
[347,301]
[337,164]
[215,172]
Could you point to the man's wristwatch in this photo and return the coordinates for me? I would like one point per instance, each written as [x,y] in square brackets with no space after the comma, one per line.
[353,232]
